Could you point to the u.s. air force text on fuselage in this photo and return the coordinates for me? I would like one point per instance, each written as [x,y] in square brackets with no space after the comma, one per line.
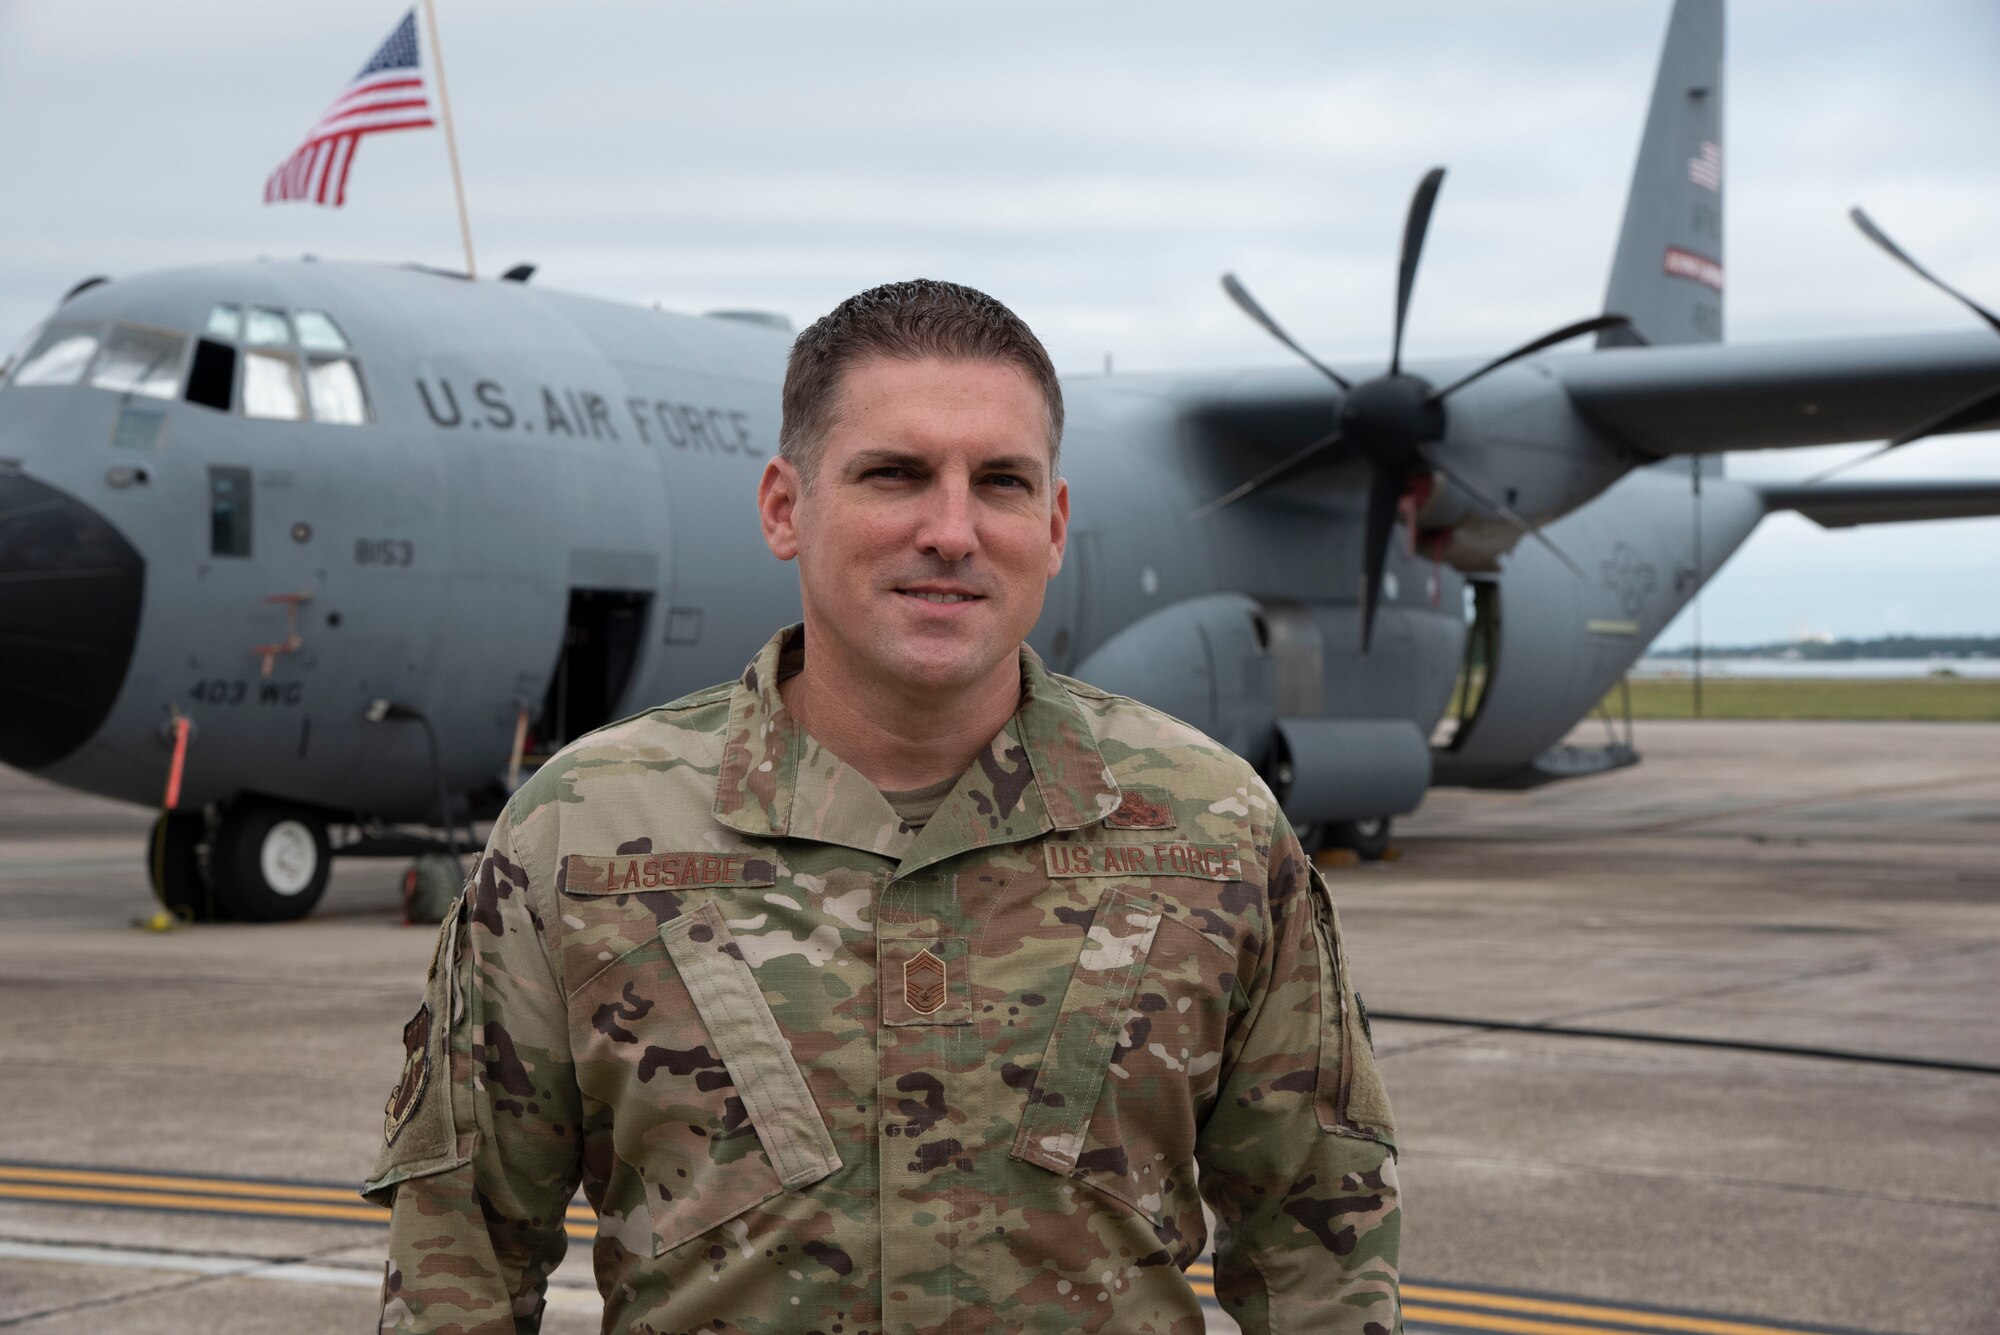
[569,411]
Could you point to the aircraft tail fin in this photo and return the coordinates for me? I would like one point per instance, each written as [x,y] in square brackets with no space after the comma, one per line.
[1667,272]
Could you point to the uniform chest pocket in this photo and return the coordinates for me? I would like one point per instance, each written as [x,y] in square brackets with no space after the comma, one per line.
[1132,1062]
[707,1102]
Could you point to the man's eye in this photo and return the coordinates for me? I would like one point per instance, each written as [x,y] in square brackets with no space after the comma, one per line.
[1009,480]
[890,472]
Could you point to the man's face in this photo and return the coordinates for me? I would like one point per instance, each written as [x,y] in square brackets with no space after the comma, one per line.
[933,524]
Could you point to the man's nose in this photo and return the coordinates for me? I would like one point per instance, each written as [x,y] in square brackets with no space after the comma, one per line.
[949,527]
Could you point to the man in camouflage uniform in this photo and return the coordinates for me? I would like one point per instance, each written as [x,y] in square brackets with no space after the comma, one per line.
[900,986]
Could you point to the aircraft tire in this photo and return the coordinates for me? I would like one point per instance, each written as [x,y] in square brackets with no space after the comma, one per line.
[1368,837]
[270,861]
[174,865]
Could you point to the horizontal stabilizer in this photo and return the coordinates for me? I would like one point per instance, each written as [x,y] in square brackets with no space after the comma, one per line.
[1845,504]
[1707,399]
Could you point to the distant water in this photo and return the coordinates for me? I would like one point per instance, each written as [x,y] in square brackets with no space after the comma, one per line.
[1803,669]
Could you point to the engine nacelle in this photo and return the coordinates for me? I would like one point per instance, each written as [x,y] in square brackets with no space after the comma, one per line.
[1252,676]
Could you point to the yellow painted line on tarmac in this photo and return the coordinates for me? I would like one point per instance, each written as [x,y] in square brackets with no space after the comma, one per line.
[84,1177]
[1512,1325]
[1503,1302]
[227,1188]
[160,1200]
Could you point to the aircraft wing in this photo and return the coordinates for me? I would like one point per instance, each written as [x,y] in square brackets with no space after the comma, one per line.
[1845,504]
[1708,398]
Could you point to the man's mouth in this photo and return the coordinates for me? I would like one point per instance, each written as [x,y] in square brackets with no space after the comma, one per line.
[939,596]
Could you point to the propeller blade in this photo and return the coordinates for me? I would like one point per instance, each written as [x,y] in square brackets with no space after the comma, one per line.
[1529,349]
[1385,497]
[1414,228]
[1248,304]
[1284,470]
[1838,469]
[1979,408]
[1496,508]
[1881,238]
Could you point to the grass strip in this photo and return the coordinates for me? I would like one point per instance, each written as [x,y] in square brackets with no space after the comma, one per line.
[1888,700]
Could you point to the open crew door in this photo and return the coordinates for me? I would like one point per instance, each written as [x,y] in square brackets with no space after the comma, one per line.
[602,636]
[1475,671]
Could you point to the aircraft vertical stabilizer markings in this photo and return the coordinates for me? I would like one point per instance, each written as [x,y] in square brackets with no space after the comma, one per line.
[1666,274]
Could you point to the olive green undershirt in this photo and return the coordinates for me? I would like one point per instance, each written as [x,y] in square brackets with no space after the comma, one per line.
[916,806]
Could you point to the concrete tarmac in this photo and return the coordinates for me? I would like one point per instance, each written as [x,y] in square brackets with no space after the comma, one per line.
[1826,886]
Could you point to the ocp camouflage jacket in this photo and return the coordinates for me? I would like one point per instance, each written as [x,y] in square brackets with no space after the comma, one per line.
[817,1073]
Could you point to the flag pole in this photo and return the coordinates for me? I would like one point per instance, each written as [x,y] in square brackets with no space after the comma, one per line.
[450,140]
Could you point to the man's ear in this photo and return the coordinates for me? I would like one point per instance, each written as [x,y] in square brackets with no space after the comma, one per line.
[778,496]
[1059,527]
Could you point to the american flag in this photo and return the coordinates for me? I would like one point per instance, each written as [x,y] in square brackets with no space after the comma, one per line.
[388,94]
[1705,167]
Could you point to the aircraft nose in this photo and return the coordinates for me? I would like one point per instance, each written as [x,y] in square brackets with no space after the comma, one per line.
[70,593]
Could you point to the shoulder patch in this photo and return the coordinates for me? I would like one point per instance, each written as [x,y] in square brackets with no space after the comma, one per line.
[409,1090]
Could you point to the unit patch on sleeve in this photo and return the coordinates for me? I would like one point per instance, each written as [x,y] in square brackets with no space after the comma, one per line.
[409,1090]
[1209,862]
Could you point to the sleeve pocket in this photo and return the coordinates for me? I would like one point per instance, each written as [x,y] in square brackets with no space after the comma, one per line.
[418,1134]
[1350,1098]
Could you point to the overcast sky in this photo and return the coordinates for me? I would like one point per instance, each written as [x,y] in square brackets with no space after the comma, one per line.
[1096,166]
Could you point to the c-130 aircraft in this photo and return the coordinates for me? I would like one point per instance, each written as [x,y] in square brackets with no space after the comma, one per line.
[331,542]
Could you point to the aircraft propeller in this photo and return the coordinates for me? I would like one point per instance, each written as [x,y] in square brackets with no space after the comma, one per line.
[1391,420]
[1978,408]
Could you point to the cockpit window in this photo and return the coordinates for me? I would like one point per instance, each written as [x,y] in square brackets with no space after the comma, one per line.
[266,328]
[59,356]
[318,332]
[226,323]
[140,361]
[294,365]
[271,386]
[212,376]
[335,386]
[28,340]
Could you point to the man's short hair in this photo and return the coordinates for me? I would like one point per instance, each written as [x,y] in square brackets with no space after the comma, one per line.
[912,320]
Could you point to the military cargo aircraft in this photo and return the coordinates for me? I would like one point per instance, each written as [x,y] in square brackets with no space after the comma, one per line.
[328,547]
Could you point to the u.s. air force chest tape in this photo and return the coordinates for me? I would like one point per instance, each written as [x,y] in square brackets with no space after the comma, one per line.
[1149,857]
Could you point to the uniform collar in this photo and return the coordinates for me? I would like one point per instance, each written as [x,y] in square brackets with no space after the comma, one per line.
[1042,771]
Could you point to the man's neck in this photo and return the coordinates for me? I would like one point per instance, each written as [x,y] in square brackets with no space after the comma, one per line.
[898,739]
